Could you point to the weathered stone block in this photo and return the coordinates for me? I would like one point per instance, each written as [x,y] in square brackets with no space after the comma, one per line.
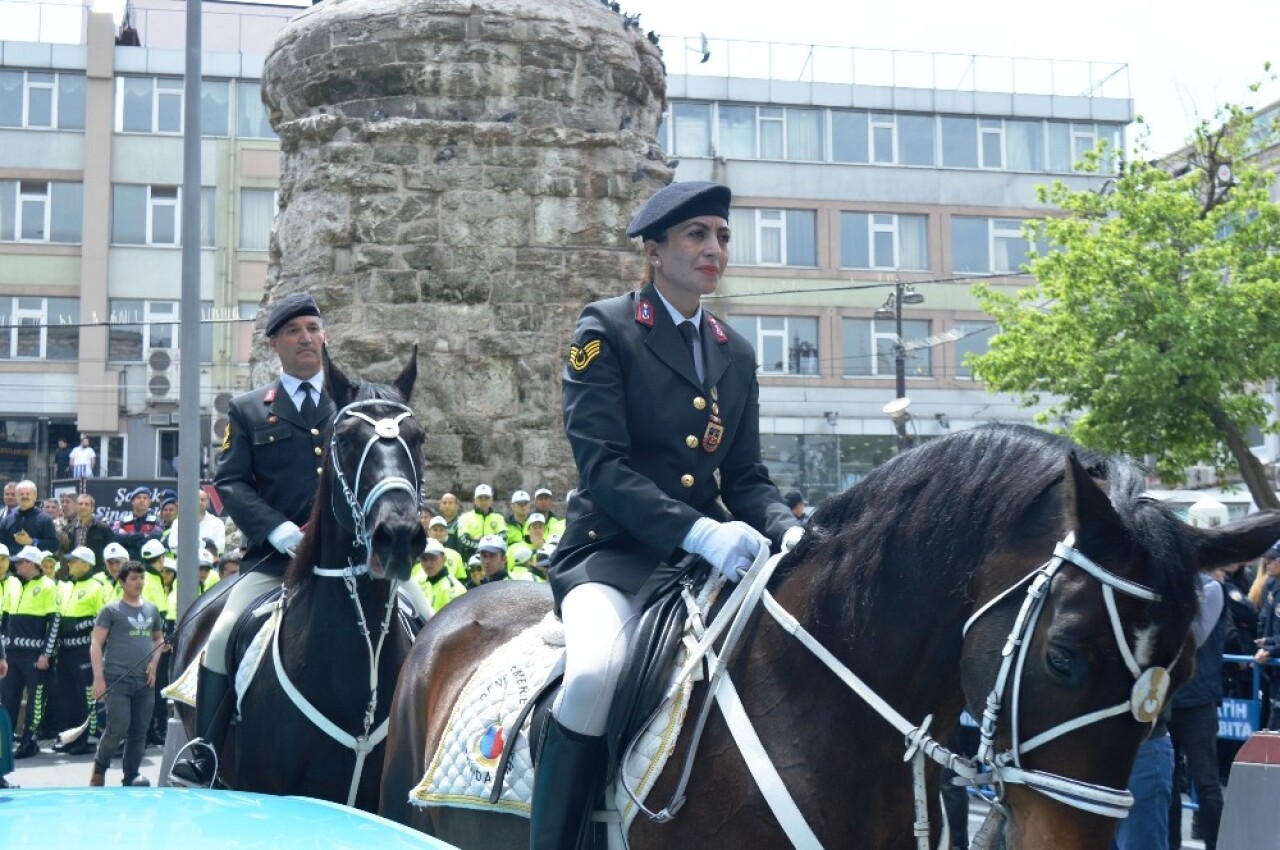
[459,173]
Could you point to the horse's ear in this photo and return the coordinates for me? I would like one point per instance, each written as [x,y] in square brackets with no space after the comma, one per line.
[408,376]
[337,383]
[1086,505]
[1242,540]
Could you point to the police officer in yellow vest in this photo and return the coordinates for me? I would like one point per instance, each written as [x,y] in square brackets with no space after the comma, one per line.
[87,591]
[153,552]
[438,529]
[33,640]
[480,522]
[432,575]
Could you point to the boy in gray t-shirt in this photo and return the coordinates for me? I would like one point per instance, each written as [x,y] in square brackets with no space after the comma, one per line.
[127,633]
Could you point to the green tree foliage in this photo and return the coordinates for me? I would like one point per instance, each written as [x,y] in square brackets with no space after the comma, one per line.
[1155,318]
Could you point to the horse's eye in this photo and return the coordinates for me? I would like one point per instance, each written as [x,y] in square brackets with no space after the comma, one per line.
[1060,660]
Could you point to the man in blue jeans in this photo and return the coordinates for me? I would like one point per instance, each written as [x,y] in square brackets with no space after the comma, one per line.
[1151,783]
[1193,724]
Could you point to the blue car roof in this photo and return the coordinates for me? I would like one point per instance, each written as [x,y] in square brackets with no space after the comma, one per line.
[188,819]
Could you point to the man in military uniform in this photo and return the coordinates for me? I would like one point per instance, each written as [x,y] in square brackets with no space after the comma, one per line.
[267,474]
[661,411]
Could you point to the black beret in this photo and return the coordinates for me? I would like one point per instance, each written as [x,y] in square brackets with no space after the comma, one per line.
[793,498]
[679,202]
[290,307]
[1273,552]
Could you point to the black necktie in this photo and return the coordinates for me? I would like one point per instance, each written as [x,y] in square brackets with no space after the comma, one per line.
[308,409]
[691,340]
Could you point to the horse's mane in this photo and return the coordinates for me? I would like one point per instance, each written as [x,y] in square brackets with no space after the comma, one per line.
[299,574]
[930,516]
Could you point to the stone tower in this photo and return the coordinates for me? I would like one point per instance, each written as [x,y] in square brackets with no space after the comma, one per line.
[459,174]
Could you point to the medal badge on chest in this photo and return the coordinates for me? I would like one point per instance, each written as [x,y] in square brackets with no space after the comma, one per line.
[714,434]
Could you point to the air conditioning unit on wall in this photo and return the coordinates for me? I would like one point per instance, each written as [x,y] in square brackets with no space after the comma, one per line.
[162,376]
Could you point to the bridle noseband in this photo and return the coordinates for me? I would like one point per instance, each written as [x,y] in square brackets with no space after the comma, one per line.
[1145,701]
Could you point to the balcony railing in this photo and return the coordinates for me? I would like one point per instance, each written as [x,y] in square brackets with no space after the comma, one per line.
[864,66]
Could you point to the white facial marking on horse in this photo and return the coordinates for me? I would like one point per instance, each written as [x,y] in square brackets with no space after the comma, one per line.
[1144,645]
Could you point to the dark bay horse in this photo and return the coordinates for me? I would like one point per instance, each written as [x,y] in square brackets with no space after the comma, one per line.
[340,643]
[915,580]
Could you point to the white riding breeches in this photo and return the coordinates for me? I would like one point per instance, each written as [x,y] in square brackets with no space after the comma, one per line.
[599,621]
[242,594]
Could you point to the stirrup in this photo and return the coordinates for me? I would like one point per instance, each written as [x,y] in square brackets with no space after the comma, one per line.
[192,761]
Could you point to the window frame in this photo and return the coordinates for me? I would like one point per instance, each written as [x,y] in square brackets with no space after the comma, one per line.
[783,335]
[22,198]
[20,316]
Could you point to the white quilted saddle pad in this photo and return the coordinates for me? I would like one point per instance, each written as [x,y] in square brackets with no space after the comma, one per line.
[183,689]
[461,771]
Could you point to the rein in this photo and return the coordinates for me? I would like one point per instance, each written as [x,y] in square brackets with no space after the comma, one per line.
[1145,703]
[369,738]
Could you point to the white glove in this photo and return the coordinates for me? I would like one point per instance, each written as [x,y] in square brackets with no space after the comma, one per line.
[285,537]
[727,546]
[791,537]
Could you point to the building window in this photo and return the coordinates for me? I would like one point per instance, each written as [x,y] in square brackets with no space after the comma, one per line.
[145,215]
[148,105]
[692,127]
[40,211]
[257,210]
[991,142]
[785,345]
[849,139]
[884,241]
[773,237]
[251,115]
[1025,144]
[884,137]
[215,107]
[138,326]
[959,142]
[39,328]
[915,139]
[869,348]
[737,126]
[804,135]
[988,245]
[975,339]
[42,100]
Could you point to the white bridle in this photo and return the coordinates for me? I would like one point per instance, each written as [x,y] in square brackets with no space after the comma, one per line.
[383,429]
[1145,702]
[1146,699]
[370,738]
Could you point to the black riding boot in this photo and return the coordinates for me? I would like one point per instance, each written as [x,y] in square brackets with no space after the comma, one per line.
[214,704]
[569,773]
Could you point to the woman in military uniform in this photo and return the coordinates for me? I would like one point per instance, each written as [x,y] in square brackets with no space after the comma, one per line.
[653,411]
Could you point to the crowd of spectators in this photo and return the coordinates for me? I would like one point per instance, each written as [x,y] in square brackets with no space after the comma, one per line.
[59,567]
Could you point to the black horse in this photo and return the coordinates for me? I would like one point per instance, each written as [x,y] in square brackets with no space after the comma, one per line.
[317,731]
[914,581]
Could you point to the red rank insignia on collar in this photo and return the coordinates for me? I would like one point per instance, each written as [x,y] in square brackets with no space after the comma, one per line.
[270,396]
[717,329]
[644,312]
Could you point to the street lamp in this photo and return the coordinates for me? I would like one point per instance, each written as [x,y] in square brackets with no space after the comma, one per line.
[903,293]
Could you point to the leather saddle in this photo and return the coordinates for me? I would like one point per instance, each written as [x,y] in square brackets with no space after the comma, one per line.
[641,684]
